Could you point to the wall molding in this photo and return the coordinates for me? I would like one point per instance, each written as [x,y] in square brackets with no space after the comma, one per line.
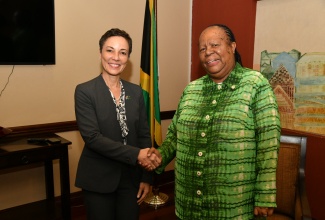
[57,127]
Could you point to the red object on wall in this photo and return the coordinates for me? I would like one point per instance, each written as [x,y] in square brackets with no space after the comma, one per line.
[238,15]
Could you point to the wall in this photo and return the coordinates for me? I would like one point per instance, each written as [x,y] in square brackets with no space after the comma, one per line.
[44,94]
[283,25]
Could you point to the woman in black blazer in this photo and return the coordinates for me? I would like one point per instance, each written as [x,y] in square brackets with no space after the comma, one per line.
[112,120]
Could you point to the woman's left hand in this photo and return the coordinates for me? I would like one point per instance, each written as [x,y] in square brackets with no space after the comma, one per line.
[263,211]
[143,191]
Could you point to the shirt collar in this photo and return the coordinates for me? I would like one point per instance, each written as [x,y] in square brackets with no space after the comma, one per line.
[232,80]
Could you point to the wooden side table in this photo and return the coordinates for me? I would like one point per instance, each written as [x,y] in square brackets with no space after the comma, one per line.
[17,152]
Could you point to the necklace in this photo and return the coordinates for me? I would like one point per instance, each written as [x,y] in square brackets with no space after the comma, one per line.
[117,91]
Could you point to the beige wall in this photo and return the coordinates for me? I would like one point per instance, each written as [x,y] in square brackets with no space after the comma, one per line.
[283,25]
[44,94]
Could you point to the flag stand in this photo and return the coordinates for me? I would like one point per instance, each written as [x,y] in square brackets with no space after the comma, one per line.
[156,198]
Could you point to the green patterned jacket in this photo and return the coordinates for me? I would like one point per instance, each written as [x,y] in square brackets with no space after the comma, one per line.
[225,138]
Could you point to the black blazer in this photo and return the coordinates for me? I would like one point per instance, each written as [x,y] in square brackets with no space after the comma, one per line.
[104,154]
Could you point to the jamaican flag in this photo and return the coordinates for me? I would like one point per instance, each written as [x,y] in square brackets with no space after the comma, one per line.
[149,72]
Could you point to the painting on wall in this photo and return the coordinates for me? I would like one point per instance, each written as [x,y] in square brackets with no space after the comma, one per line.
[299,86]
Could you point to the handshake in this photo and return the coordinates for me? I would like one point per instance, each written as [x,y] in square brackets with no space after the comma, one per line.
[149,158]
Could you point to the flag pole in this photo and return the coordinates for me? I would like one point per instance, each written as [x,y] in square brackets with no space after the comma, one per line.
[149,69]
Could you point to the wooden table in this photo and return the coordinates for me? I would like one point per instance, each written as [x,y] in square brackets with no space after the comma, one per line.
[17,152]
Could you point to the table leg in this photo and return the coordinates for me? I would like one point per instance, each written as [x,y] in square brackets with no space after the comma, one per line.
[49,181]
[65,184]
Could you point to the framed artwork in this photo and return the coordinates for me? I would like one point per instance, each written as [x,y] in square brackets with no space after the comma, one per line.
[299,86]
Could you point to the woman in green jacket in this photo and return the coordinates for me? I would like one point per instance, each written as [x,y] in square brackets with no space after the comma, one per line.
[225,136]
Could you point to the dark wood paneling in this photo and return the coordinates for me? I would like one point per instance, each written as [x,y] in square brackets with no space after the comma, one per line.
[167,115]
[32,130]
[39,129]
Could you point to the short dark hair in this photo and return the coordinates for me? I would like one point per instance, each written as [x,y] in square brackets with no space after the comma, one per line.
[115,32]
[231,38]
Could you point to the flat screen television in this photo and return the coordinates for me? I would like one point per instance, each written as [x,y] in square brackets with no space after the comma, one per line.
[27,32]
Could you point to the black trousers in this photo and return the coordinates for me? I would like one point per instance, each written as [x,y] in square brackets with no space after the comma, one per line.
[118,205]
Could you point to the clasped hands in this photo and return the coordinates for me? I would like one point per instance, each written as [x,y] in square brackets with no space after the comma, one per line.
[149,158]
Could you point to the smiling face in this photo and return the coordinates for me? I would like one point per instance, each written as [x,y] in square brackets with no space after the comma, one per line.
[216,53]
[114,55]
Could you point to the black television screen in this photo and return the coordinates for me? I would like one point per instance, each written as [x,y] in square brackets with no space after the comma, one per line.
[27,32]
